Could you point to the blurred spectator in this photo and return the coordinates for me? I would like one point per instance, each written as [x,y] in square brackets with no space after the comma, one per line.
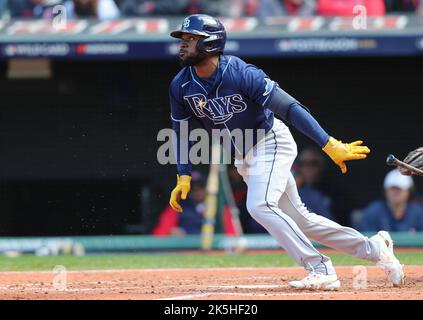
[271,8]
[175,7]
[402,5]
[192,218]
[2,8]
[190,221]
[100,9]
[239,189]
[313,199]
[239,8]
[318,192]
[395,212]
[31,8]
[346,7]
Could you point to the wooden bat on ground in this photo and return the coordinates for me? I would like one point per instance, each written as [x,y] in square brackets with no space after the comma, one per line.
[207,229]
[226,186]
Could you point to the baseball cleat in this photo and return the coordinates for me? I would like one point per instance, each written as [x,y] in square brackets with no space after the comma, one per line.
[317,281]
[387,260]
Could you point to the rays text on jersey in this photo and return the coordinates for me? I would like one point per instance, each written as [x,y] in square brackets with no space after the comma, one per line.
[219,110]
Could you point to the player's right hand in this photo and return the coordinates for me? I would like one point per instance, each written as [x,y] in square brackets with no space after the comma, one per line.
[340,152]
[180,192]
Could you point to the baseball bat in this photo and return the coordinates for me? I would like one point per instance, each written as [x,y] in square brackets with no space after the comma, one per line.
[392,161]
[227,190]
[207,229]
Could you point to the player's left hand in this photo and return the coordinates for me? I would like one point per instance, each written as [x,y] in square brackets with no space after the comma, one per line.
[340,152]
[180,192]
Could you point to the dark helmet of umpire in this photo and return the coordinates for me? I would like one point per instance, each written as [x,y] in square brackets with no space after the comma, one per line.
[210,29]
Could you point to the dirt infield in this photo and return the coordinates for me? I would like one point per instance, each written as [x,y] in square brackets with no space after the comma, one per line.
[180,284]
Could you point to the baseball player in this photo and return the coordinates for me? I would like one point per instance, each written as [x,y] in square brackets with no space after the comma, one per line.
[224,92]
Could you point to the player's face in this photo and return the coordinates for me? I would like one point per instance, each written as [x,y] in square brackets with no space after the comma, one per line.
[188,53]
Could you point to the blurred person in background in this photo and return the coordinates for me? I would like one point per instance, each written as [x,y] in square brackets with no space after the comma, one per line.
[2,8]
[172,223]
[318,192]
[190,221]
[346,7]
[239,189]
[313,199]
[100,9]
[174,7]
[403,6]
[395,212]
[134,8]
[31,8]
[272,8]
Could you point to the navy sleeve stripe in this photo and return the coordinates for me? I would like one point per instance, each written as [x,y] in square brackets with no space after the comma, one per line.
[181,119]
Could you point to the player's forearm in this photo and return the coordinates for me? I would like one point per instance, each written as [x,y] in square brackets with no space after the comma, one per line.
[182,154]
[184,169]
[305,123]
[290,110]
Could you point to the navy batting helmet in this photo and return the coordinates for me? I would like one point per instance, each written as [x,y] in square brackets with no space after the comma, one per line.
[211,29]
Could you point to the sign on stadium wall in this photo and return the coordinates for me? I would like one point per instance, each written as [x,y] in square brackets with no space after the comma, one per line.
[149,38]
[163,26]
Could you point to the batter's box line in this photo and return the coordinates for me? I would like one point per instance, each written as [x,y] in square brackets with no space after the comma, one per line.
[293,294]
[96,271]
[137,289]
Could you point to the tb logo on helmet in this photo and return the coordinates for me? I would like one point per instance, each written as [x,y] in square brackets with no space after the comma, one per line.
[186,23]
[211,31]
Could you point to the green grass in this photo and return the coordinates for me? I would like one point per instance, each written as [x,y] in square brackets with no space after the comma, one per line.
[140,261]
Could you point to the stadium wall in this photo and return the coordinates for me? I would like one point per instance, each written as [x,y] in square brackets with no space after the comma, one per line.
[93,127]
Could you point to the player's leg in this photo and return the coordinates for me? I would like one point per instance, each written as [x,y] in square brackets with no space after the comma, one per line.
[325,231]
[333,235]
[264,191]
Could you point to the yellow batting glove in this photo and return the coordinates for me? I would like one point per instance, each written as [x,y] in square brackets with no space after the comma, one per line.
[180,192]
[340,152]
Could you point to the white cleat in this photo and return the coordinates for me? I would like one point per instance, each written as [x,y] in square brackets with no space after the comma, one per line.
[317,281]
[387,260]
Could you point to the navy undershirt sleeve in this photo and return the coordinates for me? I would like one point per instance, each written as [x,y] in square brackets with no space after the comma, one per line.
[179,116]
[290,110]
[182,161]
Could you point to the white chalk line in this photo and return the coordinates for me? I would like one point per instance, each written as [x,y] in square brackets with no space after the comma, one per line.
[187,297]
[29,287]
[286,294]
[121,290]
[206,294]
[104,286]
[178,270]
[255,286]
